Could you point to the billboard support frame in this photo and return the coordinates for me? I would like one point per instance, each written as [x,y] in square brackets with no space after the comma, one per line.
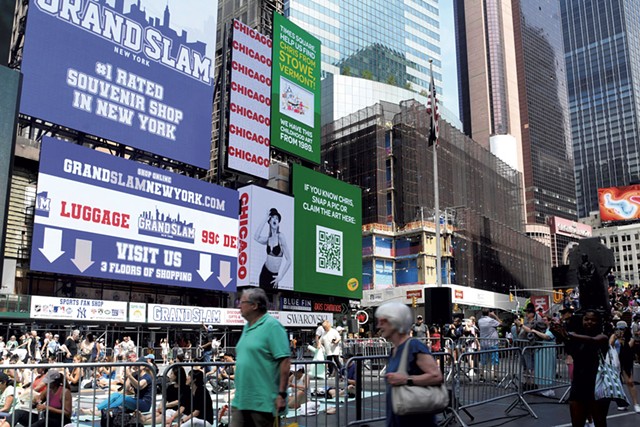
[224,102]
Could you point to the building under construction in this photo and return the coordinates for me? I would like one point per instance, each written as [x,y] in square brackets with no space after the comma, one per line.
[384,150]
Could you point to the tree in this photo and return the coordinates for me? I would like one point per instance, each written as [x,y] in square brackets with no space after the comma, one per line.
[391,80]
[407,85]
[366,74]
[346,70]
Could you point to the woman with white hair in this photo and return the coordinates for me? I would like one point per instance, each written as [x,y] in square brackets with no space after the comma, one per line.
[394,322]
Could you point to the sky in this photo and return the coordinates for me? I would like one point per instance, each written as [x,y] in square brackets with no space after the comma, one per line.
[197,17]
[449,67]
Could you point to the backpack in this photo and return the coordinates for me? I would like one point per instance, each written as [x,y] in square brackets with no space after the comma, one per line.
[116,418]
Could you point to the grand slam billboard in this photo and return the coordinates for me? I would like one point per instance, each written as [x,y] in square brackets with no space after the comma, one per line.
[102,216]
[139,72]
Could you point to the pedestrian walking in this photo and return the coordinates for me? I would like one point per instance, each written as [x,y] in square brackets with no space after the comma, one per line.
[622,341]
[262,365]
[488,327]
[70,346]
[331,343]
[586,348]
[394,323]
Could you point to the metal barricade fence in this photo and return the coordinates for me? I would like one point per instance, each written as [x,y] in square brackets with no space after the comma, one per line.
[369,389]
[33,384]
[491,343]
[312,400]
[545,370]
[487,376]
[366,347]
[360,397]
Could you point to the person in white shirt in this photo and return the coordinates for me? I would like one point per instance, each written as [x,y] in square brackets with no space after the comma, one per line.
[319,334]
[331,344]
[6,396]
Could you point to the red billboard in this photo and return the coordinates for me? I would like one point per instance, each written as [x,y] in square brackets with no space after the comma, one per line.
[619,203]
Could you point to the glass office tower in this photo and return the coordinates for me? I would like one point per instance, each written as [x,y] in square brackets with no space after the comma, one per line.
[602,53]
[387,41]
[513,84]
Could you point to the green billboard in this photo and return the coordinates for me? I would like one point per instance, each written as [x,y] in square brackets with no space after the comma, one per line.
[328,235]
[295,90]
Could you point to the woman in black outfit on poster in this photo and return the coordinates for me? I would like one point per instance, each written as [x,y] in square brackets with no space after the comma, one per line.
[586,348]
[277,250]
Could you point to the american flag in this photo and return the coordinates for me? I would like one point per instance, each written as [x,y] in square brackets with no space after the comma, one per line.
[434,114]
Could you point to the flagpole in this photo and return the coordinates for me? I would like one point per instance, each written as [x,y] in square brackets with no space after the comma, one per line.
[436,193]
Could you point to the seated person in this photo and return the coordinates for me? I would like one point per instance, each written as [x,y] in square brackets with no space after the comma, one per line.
[15,374]
[106,377]
[54,405]
[36,386]
[223,378]
[298,387]
[175,389]
[351,383]
[75,374]
[138,381]
[196,407]
[7,398]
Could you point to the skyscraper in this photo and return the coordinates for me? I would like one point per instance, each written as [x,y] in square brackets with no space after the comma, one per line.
[602,53]
[386,41]
[513,95]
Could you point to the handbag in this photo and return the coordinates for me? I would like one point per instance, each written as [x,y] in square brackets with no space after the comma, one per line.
[409,400]
[608,384]
[612,358]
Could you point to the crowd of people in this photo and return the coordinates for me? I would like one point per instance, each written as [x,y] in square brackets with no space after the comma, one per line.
[264,353]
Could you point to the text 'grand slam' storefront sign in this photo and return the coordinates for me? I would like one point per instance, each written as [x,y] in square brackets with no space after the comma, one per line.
[102,216]
[136,72]
[77,309]
[178,314]
[250,102]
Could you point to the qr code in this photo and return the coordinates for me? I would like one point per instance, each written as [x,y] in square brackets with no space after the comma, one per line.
[329,244]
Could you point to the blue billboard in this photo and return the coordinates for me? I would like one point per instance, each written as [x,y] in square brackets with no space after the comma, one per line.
[139,72]
[103,216]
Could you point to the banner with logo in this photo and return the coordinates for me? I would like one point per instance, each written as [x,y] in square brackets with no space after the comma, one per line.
[266,239]
[328,235]
[295,90]
[250,102]
[137,72]
[137,312]
[179,314]
[77,309]
[102,216]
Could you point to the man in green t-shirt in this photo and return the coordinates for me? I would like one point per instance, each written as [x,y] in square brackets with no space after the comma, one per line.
[262,365]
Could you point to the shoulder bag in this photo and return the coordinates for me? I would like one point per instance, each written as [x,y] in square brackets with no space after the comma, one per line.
[608,384]
[409,400]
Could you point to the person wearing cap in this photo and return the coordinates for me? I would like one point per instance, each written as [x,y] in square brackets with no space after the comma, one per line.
[623,342]
[419,329]
[54,345]
[298,387]
[54,405]
[223,378]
